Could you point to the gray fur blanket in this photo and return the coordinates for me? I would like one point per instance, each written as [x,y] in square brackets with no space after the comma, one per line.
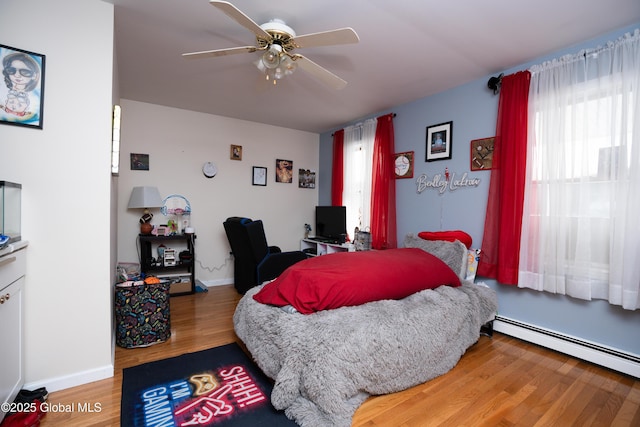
[326,364]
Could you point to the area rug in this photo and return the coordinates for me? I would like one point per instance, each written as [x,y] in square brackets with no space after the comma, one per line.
[220,386]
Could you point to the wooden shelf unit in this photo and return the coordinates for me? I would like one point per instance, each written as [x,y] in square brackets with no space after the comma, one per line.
[182,273]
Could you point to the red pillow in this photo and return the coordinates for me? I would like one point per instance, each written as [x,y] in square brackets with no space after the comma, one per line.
[353,278]
[449,236]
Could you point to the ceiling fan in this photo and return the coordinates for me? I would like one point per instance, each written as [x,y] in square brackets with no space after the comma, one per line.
[277,41]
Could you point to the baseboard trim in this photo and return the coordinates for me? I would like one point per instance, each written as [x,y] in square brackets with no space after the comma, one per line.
[218,282]
[608,357]
[76,379]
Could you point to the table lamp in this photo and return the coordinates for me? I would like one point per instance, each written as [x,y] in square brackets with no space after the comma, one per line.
[145,198]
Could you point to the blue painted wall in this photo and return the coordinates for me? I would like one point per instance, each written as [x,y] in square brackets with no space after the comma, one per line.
[473,109]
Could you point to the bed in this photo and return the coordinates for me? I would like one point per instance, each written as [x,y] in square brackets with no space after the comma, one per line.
[325,363]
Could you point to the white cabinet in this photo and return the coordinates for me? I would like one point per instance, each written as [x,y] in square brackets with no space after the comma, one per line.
[12,270]
[313,247]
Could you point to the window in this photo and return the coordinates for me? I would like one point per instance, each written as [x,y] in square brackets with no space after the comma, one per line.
[579,236]
[358,160]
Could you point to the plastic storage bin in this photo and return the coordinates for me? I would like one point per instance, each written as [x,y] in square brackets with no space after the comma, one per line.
[142,314]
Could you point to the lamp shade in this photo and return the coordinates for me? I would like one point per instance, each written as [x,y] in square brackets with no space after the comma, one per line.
[145,197]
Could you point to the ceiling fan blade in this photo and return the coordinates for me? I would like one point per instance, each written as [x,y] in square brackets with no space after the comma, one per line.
[242,19]
[220,52]
[327,38]
[319,72]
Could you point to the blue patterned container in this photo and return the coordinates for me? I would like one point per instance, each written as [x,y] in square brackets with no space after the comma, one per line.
[142,314]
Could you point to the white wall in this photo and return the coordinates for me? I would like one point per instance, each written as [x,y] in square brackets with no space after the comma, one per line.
[179,142]
[64,170]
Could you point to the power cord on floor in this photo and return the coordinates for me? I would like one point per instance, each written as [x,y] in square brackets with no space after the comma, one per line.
[214,268]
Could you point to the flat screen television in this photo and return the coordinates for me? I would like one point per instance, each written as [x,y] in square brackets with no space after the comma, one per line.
[331,223]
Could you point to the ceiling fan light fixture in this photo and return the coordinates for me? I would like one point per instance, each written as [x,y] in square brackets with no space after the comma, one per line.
[269,73]
[260,65]
[276,40]
[275,63]
[289,65]
[279,73]
[271,58]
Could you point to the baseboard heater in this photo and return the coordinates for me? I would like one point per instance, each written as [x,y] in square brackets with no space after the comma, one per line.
[608,357]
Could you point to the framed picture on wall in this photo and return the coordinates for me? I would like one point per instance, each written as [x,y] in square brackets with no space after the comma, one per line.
[259,176]
[306,178]
[403,165]
[139,162]
[438,143]
[22,92]
[235,152]
[482,154]
[284,171]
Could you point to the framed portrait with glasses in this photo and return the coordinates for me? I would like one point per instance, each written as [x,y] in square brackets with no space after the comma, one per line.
[22,87]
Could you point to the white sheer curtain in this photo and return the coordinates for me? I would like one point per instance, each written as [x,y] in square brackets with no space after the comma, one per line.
[581,225]
[358,160]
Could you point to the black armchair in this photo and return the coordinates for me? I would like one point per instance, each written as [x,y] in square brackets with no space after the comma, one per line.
[255,261]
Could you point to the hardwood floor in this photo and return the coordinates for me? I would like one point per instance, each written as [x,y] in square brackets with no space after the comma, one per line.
[500,381]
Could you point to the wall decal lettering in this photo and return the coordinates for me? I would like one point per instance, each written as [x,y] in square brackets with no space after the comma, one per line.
[447,181]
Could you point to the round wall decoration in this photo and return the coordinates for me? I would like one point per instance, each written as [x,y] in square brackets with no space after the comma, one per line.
[209,169]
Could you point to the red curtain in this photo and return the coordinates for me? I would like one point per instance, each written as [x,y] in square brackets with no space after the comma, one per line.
[383,187]
[337,174]
[501,241]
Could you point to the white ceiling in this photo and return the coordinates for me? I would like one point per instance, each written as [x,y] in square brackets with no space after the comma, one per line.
[408,49]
